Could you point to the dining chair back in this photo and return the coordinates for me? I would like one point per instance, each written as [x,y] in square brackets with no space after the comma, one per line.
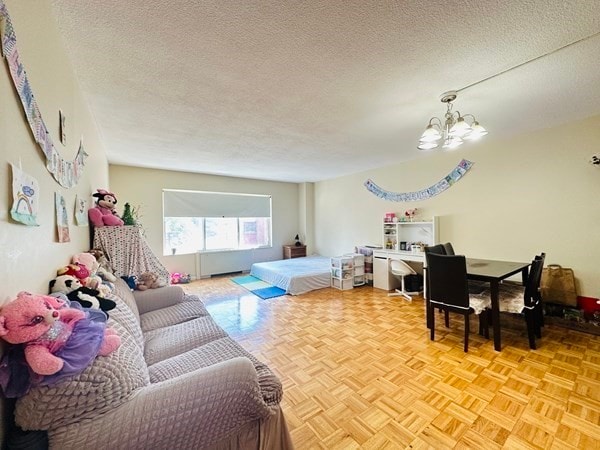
[526,300]
[449,291]
[448,248]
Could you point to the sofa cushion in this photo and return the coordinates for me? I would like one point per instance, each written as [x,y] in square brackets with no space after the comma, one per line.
[170,341]
[104,385]
[123,291]
[212,353]
[153,299]
[165,317]
[124,316]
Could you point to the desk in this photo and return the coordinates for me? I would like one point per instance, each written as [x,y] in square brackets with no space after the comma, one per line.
[493,272]
[382,278]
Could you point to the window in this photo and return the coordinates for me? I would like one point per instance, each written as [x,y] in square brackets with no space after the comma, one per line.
[213,221]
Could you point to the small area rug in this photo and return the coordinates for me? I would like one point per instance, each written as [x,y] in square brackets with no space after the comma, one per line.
[258,287]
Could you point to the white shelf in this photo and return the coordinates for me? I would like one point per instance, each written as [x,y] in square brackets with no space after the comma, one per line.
[409,233]
[348,271]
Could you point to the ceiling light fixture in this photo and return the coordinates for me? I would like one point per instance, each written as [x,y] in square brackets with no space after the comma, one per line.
[453,130]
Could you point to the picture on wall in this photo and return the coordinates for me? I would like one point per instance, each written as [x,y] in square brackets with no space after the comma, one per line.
[81,215]
[62,218]
[26,194]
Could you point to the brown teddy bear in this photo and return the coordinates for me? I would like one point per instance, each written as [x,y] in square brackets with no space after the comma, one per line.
[148,280]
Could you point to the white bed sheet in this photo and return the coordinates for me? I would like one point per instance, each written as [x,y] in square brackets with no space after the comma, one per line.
[296,275]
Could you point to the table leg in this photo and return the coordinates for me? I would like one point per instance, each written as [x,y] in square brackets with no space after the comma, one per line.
[496,315]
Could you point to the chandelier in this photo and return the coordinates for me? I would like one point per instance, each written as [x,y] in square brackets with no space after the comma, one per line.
[453,130]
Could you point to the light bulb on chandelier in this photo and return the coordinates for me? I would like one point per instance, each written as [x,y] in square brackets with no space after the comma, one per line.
[453,130]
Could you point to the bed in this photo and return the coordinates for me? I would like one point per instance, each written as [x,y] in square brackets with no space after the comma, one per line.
[296,275]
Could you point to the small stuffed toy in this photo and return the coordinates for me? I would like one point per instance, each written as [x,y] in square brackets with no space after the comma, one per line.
[148,280]
[75,270]
[94,281]
[75,292]
[57,340]
[104,269]
[104,213]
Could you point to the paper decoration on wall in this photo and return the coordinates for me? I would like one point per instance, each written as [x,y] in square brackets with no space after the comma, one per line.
[81,214]
[62,218]
[62,125]
[66,173]
[26,194]
[423,194]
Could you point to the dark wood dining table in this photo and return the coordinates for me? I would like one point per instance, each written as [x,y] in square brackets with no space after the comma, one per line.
[493,272]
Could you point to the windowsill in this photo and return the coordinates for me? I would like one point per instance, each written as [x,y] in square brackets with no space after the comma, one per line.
[226,250]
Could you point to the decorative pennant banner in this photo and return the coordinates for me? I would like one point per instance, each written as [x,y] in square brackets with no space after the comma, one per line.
[66,173]
[423,194]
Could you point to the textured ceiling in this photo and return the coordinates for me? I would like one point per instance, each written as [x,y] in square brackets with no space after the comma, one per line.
[311,90]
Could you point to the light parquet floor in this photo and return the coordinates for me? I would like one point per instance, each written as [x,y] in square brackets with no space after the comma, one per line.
[359,371]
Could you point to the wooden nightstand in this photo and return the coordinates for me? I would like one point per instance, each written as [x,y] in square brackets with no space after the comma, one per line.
[293,251]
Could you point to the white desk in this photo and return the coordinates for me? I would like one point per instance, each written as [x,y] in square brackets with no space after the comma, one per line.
[382,278]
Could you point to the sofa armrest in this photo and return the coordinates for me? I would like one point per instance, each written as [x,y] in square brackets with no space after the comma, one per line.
[153,299]
[194,410]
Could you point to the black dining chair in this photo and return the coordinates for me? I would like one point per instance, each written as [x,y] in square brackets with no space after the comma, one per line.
[540,306]
[448,248]
[449,291]
[526,300]
[437,249]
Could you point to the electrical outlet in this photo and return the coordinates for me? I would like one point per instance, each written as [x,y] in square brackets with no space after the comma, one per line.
[595,159]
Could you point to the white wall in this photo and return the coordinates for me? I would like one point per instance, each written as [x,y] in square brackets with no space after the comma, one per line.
[29,256]
[532,193]
[143,187]
[306,211]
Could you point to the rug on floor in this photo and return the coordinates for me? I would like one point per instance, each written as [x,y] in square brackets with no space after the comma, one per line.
[258,287]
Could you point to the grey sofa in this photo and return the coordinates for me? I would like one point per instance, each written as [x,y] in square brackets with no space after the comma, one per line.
[178,381]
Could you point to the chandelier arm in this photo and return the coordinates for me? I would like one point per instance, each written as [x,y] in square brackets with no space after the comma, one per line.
[433,119]
[471,116]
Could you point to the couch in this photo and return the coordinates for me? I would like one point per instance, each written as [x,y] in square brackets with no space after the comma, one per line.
[177,381]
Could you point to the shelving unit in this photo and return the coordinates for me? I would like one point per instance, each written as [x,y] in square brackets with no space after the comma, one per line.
[358,276]
[342,272]
[405,236]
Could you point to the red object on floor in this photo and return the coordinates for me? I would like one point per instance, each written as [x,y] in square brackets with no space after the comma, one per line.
[588,304]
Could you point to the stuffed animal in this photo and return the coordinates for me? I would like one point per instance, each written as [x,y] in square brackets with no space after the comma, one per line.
[130,280]
[104,213]
[148,280]
[104,269]
[75,292]
[75,270]
[52,334]
[94,281]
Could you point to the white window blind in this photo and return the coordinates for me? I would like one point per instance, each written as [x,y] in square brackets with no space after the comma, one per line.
[178,203]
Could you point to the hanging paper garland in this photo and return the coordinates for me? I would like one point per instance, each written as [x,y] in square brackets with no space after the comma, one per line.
[66,173]
[423,194]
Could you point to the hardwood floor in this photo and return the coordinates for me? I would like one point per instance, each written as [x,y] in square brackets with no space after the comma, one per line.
[359,371]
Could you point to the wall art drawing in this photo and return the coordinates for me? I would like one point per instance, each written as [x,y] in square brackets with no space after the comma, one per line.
[26,194]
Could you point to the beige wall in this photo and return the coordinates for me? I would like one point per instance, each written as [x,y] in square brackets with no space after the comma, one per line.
[29,256]
[306,211]
[143,187]
[528,194]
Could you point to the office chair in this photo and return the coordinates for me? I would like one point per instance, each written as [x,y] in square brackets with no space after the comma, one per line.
[449,291]
[401,269]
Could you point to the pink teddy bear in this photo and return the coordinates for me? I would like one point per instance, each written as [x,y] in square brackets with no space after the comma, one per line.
[58,341]
[104,214]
